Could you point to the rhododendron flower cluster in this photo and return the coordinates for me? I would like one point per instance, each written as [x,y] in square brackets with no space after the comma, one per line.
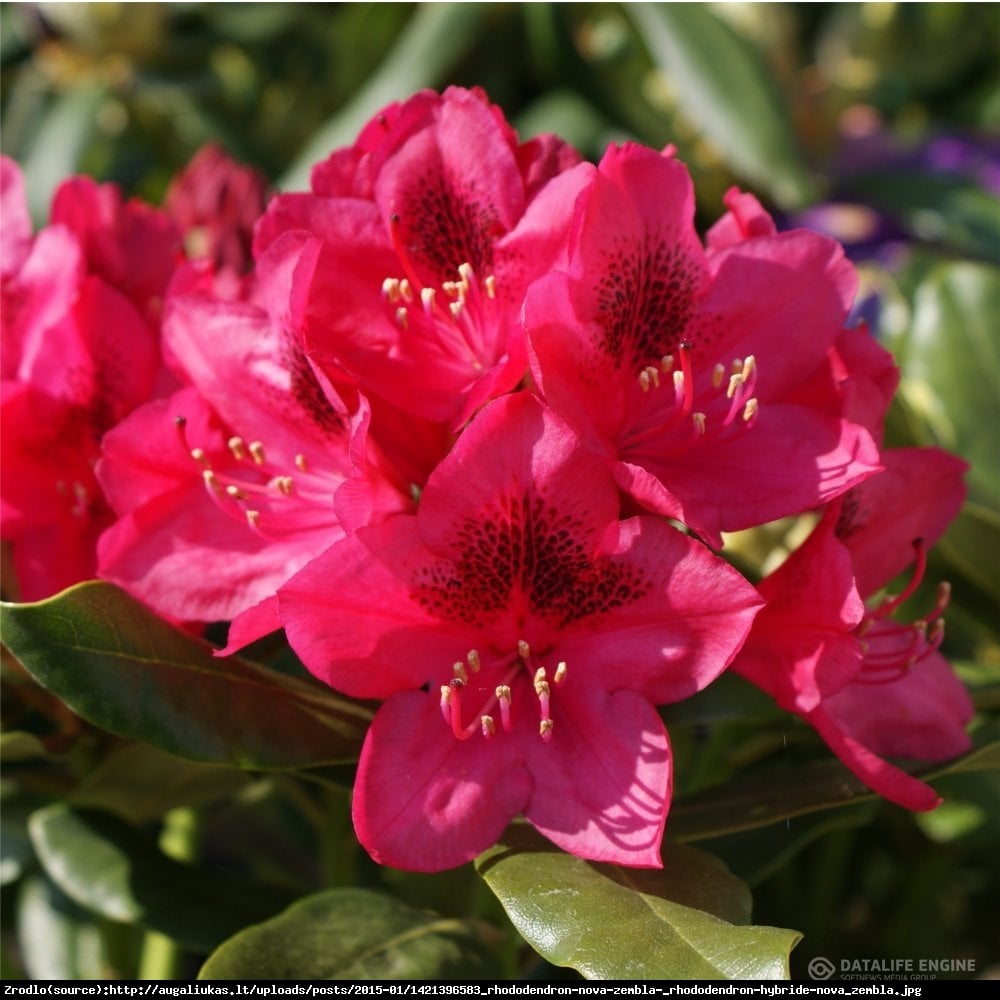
[470,424]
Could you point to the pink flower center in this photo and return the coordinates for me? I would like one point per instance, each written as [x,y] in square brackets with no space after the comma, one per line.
[466,689]
[891,648]
[246,486]
[675,400]
[460,319]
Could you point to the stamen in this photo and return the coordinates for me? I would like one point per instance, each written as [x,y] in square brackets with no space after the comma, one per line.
[489,726]
[750,410]
[455,700]
[212,483]
[667,363]
[685,348]
[890,605]
[472,658]
[390,289]
[180,424]
[523,649]
[235,493]
[285,485]
[718,374]
[490,284]
[698,419]
[427,298]
[503,697]
[198,454]
[235,444]
[735,383]
[560,674]
[256,450]
[446,702]
[458,669]
[545,729]
[402,317]
[301,464]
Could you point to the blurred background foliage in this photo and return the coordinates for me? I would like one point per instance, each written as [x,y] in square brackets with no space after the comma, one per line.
[876,122]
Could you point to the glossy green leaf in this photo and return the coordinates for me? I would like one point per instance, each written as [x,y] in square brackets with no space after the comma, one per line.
[723,88]
[111,868]
[353,934]
[435,38]
[127,671]
[686,921]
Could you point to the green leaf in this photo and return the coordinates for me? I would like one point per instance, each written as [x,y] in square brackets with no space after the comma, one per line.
[775,795]
[127,671]
[56,938]
[757,854]
[140,783]
[353,934]
[57,147]
[724,89]
[686,921]
[435,39]
[950,361]
[17,746]
[110,868]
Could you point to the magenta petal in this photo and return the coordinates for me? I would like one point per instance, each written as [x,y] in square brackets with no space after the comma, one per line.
[426,801]
[922,715]
[879,775]
[917,496]
[250,625]
[351,616]
[514,448]
[602,783]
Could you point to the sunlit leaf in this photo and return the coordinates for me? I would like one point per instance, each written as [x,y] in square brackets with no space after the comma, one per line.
[950,361]
[353,934]
[111,868]
[57,939]
[125,670]
[57,146]
[723,88]
[687,921]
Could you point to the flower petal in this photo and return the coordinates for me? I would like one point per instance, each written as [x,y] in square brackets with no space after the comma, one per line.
[426,801]
[602,783]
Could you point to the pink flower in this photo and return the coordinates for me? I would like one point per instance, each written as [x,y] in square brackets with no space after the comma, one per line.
[77,357]
[432,226]
[131,245]
[264,471]
[873,687]
[520,634]
[216,202]
[684,369]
